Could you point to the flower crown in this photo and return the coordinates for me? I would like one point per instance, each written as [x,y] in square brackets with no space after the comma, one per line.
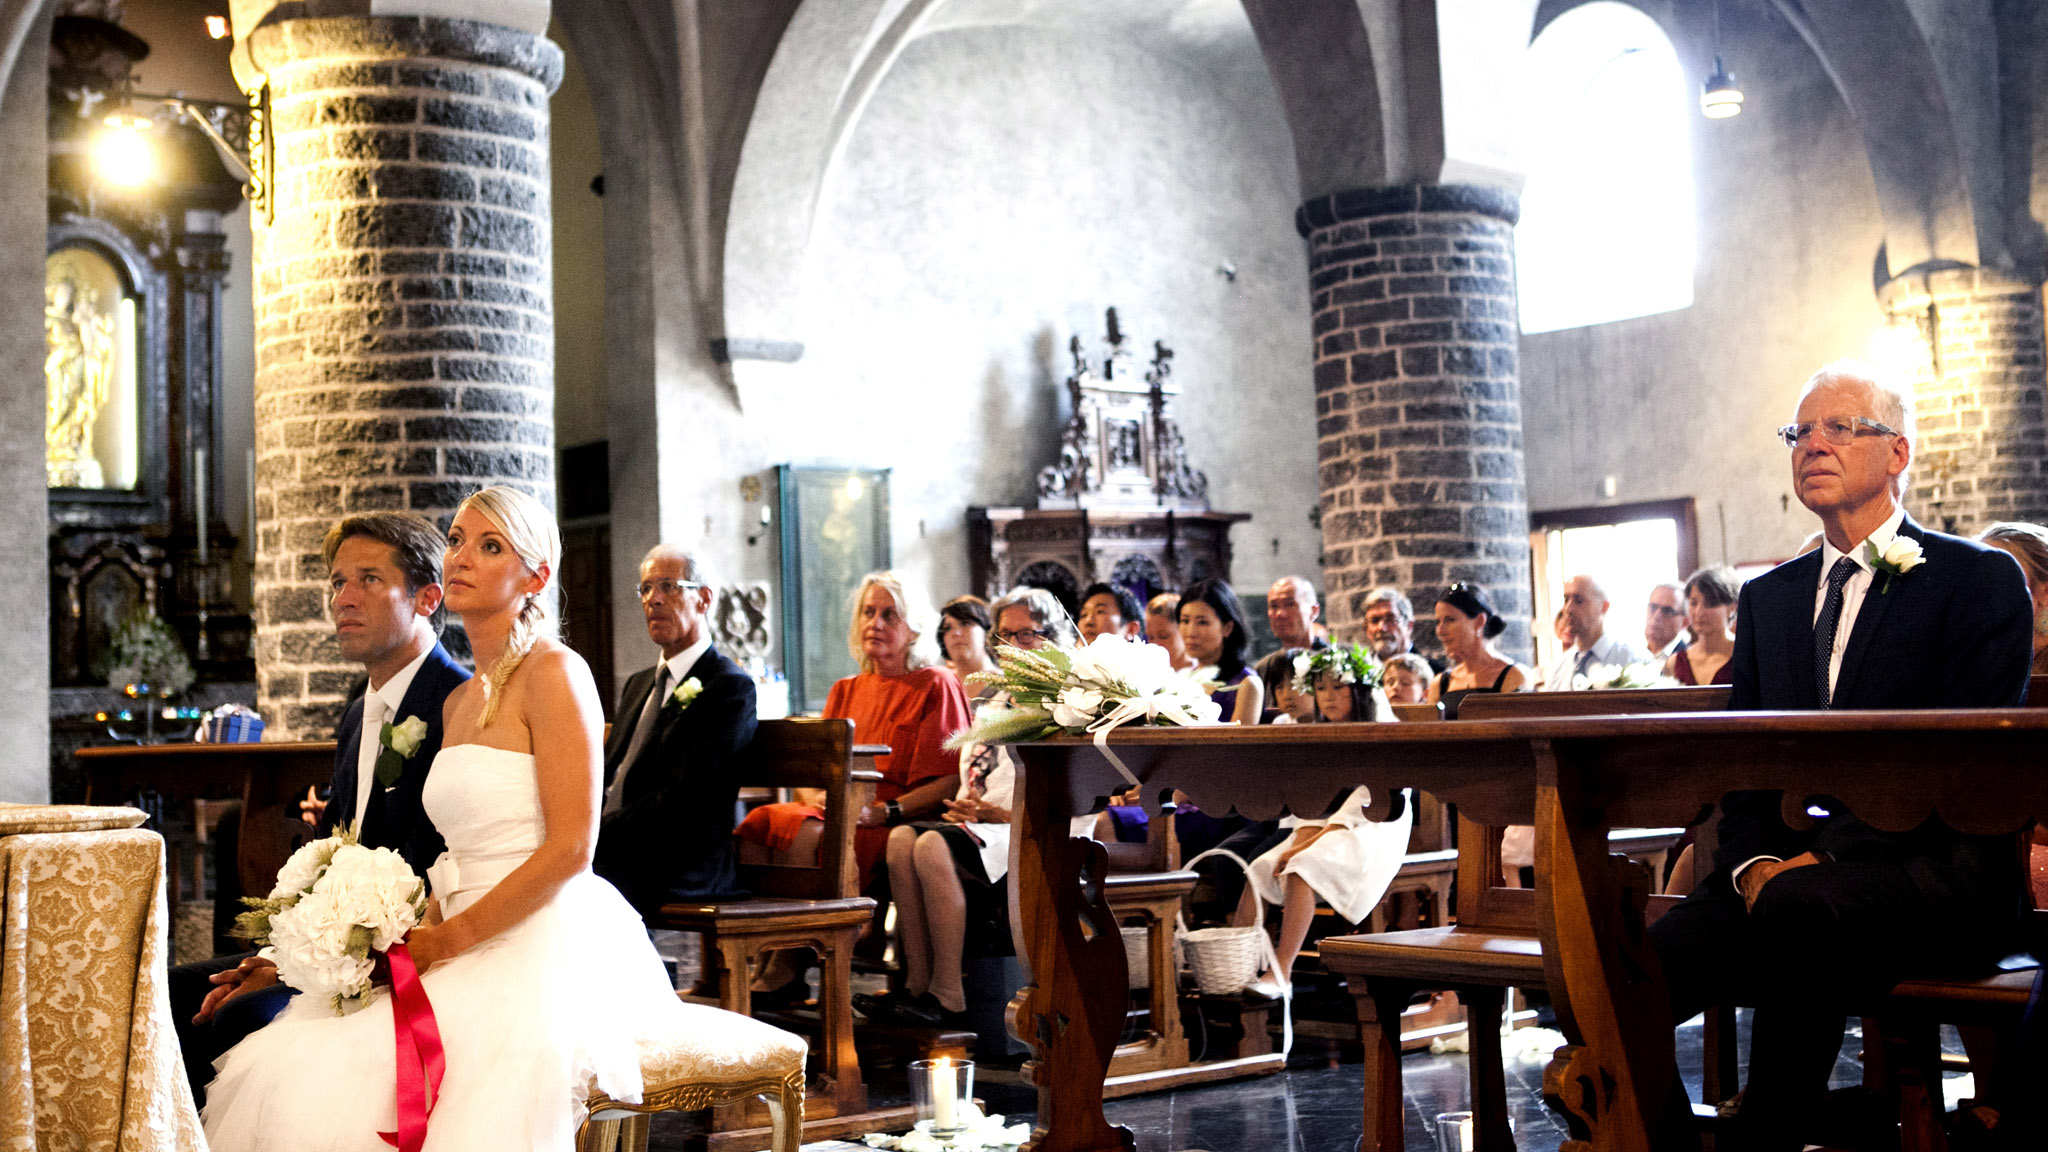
[1348,663]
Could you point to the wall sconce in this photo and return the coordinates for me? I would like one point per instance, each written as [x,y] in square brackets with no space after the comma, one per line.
[1719,97]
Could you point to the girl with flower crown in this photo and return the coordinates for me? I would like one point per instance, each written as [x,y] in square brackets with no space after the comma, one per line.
[1345,860]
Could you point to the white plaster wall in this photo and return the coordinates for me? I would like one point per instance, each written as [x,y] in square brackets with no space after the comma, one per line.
[1683,403]
[1003,187]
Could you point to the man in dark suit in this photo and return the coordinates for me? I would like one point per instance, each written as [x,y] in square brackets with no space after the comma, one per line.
[1885,614]
[385,595]
[671,764]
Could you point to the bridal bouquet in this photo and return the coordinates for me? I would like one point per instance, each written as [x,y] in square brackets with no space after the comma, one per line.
[336,906]
[1648,674]
[1095,689]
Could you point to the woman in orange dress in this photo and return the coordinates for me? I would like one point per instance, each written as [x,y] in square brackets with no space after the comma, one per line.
[903,697]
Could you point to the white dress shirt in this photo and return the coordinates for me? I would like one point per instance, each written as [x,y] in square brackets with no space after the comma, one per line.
[1609,650]
[380,707]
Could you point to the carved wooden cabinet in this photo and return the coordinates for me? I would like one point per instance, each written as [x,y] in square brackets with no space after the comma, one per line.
[1066,550]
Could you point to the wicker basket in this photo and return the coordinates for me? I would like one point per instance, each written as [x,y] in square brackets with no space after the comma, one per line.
[1138,956]
[1225,961]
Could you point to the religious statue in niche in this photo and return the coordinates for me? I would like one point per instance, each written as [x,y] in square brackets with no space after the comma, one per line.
[78,366]
[1121,448]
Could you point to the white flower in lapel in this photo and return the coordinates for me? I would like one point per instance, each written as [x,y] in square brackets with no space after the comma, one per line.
[1897,558]
[685,692]
[401,741]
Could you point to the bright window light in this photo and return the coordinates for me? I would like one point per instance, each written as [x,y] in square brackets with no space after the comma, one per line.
[1607,213]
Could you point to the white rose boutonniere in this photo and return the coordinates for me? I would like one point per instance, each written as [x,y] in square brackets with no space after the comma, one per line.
[1897,558]
[685,693]
[401,742]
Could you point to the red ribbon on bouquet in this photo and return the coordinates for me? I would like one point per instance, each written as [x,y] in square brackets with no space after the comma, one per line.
[421,1062]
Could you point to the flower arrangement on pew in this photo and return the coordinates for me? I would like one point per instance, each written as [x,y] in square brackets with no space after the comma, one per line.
[1094,689]
[337,908]
[1648,674]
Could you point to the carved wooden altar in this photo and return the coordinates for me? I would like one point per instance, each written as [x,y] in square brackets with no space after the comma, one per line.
[1122,504]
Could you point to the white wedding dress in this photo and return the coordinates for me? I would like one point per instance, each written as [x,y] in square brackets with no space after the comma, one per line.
[530,1018]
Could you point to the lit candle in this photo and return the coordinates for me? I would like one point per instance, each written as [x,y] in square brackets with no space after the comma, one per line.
[199,497]
[945,1095]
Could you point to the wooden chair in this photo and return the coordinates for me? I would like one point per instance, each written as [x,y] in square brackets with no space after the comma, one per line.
[1493,947]
[712,1059]
[817,908]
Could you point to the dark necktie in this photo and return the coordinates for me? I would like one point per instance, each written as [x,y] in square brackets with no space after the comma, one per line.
[1824,628]
[643,731]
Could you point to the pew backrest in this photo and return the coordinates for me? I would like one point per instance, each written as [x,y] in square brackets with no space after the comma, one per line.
[806,753]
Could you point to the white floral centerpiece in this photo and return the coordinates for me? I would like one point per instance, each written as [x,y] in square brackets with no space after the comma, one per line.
[1094,689]
[335,908]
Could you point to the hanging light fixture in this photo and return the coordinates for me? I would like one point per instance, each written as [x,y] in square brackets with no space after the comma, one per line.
[1719,97]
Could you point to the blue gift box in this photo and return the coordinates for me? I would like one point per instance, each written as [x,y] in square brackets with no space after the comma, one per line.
[235,728]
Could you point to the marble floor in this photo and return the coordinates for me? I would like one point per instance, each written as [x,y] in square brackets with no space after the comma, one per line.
[1315,1105]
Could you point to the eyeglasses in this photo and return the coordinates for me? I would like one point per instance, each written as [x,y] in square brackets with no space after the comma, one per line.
[1836,430]
[1022,637]
[1667,611]
[666,587]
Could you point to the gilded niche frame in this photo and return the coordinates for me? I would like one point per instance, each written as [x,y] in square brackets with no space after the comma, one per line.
[147,504]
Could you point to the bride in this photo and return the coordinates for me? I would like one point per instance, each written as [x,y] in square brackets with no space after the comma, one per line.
[541,976]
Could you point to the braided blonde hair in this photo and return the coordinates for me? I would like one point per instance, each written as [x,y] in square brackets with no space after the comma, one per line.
[530,530]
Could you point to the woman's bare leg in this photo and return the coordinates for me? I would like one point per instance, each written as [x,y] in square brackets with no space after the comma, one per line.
[905,889]
[1297,912]
[945,909]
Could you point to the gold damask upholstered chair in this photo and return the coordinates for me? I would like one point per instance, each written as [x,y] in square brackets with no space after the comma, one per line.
[88,1057]
[712,1058]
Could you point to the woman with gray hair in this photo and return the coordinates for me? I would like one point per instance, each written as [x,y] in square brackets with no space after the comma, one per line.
[2028,544]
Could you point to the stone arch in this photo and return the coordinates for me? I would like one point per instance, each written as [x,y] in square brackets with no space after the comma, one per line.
[1322,61]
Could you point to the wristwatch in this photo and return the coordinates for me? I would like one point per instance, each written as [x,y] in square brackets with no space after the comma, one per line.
[892,811]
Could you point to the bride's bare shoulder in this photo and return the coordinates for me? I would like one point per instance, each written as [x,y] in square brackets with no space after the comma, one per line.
[558,665]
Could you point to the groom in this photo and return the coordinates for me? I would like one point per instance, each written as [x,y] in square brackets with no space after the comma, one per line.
[1885,614]
[385,595]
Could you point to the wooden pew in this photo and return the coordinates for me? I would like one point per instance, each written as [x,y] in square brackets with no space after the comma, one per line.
[817,908]
[1494,946]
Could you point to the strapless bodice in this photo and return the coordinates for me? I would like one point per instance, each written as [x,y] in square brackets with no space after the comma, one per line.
[485,802]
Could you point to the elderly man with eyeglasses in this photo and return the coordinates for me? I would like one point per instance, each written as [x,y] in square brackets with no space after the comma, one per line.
[1806,924]
[665,830]
[1664,621]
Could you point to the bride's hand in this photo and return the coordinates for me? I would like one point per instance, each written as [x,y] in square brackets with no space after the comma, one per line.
[426,945]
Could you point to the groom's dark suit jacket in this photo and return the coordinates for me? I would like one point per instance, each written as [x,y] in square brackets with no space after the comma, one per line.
[672,838]
[394,818]
[1956,632]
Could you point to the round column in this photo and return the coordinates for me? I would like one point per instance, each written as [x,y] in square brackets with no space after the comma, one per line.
[404,309]
[1418,399]
[1973,343]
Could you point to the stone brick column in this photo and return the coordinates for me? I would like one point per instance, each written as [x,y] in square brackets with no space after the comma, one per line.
[1418,399]
[1973,342]
[404,308]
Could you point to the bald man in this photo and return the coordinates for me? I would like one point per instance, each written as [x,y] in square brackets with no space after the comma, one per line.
[1291,611]
[1585,613]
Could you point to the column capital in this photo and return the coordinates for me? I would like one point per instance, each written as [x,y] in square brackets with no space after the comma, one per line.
[1406,199]
[372,38]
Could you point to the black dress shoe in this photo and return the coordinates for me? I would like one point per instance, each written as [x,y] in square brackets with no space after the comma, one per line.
[881,1008]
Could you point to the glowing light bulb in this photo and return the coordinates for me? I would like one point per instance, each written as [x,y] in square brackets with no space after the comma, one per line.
[1719,97]
[122,154]
[853,489]
[217,27]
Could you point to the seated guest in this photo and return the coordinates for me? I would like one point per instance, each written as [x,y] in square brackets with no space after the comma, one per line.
[1162,627]
[1592,646]
[1406,679]
[670,766]
[1345,860]
[1291,611]
[1390,627]
[1804,923]
[900,698]
[1289,705]
[1212,626]
[384,591]
[948,878]
[1665,622]
[1710,607]
[1110,609]
[963,638]
[2028,544]
[1466,624]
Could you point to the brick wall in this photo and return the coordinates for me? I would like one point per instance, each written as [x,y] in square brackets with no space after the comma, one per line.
[1979,365]
[1418,402]
[405,331]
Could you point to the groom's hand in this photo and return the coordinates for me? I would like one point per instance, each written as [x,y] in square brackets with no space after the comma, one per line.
[251,975]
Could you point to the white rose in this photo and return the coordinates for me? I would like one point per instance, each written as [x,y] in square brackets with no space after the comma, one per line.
[406,737]
[1903,553]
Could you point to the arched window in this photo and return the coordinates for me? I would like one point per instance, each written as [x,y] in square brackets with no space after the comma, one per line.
[1607,214]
